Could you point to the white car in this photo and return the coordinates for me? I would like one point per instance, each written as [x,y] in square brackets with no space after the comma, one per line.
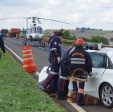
[100,84]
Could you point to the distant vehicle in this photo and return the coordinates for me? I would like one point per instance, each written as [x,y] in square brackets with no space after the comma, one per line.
[100,83]
[13,32]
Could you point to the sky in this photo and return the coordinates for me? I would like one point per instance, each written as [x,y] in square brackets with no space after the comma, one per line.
[97,14]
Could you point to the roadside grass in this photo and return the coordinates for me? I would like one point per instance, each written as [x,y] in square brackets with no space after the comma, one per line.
[19,92]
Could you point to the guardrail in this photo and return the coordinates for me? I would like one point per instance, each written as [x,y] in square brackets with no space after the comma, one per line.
[63,40]
[68,41]
[73,41]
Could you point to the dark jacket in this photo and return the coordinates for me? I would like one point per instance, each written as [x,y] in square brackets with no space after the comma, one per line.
[50,40]
[65,63]
[55,49]
[2,44]
[80,60]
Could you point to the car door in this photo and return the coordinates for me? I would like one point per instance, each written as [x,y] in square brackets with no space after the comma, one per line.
[98,64]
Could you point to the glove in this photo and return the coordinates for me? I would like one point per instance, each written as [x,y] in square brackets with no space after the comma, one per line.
[58,59]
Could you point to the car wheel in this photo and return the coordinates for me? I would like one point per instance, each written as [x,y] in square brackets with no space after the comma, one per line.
[106,95]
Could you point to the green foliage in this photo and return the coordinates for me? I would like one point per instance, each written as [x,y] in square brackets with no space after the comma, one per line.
[67,35]
[19,91]
[97,39]
[104,40]
[47,34]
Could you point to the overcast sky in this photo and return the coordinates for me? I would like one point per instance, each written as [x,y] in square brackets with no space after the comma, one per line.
[96,14]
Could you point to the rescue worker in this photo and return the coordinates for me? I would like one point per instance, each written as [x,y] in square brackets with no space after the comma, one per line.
[64,76]
[54,59]
[2,45]
[77,59]
[51,38]
[81,64]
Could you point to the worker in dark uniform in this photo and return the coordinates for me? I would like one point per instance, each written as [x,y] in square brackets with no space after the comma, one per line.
[64,76]
[2,45]
[51,38]
[54,59]
[81,64]
[77,60]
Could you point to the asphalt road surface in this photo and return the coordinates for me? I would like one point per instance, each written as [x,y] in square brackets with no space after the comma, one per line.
[40,55]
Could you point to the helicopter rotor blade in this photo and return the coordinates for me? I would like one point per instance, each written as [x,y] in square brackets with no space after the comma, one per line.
[13,18]
[53,20]
[37,19]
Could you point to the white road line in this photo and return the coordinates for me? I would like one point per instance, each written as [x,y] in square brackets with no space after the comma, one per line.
[77,107]
[41,47]
[19,58]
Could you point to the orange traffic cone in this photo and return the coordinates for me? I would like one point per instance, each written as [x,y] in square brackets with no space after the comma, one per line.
[28,61]
[45,39]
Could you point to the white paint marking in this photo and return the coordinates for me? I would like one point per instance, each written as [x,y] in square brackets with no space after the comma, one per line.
[77,107]
[14,53]
[41,47]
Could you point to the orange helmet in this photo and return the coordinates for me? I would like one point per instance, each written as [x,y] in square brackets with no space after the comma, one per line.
[80,41]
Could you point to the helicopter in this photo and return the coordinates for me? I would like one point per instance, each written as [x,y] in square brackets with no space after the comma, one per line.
[34,31]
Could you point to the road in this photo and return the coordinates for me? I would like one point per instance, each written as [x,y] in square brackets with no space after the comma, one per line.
[41,59]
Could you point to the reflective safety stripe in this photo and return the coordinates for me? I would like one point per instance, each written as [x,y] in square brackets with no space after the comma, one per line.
[72,50]
[26,50]
[27,54]
[77,62]
[54,73]
[28,58]
[80,59]
[81,91]
[65,78]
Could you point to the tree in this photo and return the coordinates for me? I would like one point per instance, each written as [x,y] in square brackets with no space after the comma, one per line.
[104,40]
[97,39]
[47,34]
[67,35]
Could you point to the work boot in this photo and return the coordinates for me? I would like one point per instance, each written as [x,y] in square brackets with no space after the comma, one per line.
[61,97]
[52,94]
[81,104]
